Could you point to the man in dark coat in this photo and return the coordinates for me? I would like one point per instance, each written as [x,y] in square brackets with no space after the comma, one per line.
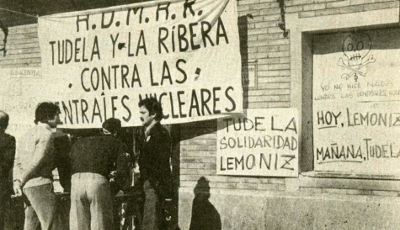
[154,163]
[7,154]
[92,160]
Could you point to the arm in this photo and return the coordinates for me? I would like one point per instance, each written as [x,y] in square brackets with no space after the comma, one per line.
[17,164]
[162,164]
[17,170]
[62,149]
[44,145]
[9,155]
[123,171]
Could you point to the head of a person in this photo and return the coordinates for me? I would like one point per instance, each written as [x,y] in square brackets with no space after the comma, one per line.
[48,113]
[150,111]
[111,126]
[4,118]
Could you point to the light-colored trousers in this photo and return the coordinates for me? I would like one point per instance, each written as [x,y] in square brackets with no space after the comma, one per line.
[41,208]
[91,202]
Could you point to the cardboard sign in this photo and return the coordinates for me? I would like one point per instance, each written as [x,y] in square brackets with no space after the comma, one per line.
[264,143]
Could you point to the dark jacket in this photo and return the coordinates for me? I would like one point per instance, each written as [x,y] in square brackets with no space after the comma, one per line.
[7,155]
[101,155]
[62,146]
[154,160]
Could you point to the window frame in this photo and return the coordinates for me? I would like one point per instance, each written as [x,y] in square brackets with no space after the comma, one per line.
[302,31]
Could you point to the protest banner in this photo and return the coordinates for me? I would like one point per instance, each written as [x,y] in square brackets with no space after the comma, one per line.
[102,62]
[263,143]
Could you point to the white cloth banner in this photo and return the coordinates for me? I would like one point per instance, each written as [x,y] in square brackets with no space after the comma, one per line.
[102,62]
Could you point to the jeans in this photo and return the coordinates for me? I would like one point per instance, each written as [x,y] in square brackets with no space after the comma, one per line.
[91,202]
[41,208]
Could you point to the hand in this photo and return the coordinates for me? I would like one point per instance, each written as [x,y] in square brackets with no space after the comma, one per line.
[112,176]
[17,187]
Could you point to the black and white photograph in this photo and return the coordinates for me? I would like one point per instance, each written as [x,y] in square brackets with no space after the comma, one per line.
[199,114]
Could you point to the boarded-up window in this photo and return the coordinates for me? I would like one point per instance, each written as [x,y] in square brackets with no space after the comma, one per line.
[356,102]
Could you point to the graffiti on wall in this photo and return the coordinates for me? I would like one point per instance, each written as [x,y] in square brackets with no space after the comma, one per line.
[356,48]
[356,98]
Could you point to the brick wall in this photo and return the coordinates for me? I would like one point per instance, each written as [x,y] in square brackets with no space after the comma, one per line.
[264,42]
[198,159]
[266,45]
[22,47]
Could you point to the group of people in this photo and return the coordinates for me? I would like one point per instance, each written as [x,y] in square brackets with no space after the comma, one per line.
[89,164]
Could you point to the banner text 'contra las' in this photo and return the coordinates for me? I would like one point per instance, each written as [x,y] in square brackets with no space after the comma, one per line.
[98,64]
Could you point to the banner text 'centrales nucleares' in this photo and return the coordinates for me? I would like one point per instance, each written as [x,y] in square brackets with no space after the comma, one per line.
[99,64]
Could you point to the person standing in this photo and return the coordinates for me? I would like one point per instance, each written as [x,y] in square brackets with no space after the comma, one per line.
[92,161]
[154,163]
[7,154]
[33,166]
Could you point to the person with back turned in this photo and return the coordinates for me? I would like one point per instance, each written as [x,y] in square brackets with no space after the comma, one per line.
[93,159]
[33,166]
[7,154]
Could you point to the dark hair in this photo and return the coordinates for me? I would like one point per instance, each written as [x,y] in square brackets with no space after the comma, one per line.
[46,111]
[113,125]
[153,106]
[4,119]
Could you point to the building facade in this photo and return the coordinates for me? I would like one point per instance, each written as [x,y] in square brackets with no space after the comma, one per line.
[336,63]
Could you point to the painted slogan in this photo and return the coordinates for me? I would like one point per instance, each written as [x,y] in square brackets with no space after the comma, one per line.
[18,86]
[184,53]
[356,102]
[264,143]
